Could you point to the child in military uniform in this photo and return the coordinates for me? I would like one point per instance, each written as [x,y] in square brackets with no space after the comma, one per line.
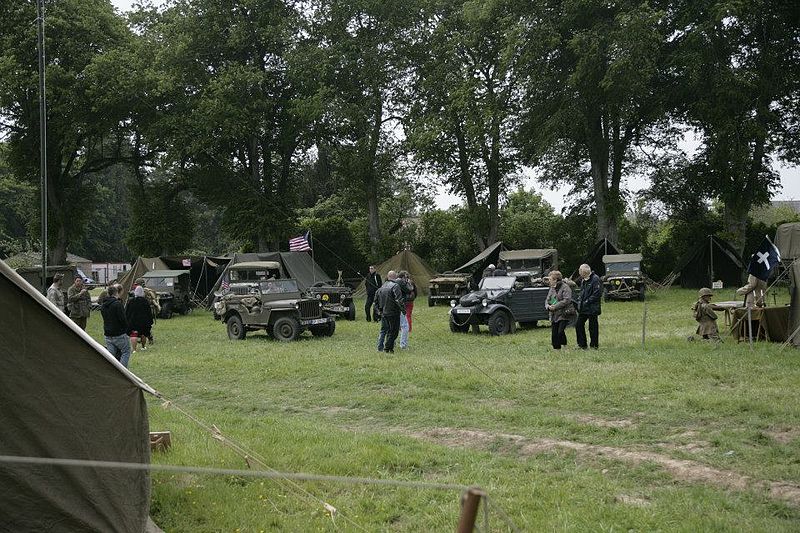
[706,316]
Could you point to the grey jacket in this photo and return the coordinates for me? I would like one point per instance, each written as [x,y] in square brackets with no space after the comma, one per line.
[560,297]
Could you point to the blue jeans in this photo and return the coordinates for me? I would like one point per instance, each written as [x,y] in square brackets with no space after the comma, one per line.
[120,348]
[403,331]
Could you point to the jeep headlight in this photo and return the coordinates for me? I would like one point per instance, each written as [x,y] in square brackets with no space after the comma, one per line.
[317,296]
[484,302]
[616,282]
[452,303]
[435,285]
[297,306]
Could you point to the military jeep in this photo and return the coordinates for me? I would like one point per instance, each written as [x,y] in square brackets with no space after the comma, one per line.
[533,261]
[500,303]
[173,289]
[336,299]
[257,298]
[448,286]
[624,279]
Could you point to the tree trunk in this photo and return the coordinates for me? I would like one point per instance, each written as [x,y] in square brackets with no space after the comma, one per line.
[493,175]
[465,179]
[371,177]
[597,143]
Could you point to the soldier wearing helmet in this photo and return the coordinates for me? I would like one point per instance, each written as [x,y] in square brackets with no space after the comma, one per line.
[705,315]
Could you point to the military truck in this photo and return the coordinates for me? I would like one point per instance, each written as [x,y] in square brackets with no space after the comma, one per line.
[500,303]
[448,286]
[624,279]
[258,298]
[533,261]
[173,289]
[336,299]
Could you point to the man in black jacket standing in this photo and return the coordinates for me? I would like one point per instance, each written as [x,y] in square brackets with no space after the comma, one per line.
[115,327]
[391,304]
[373,283]
[588,307]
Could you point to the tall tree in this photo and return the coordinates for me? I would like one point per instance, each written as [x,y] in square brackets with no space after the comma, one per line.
[593,94]
[464,102]
[82,136]
[740,89]
[362,43]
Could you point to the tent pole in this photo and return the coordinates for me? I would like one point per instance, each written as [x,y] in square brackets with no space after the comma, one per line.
[313,267]
[750,326]
[711,255]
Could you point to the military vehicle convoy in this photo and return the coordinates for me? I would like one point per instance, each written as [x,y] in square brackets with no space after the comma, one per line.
[501,302]
[448,286]
[257,298]
[173,289]
[623,279]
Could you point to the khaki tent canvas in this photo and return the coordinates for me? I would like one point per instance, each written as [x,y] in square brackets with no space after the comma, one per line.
[141,266]
[420,272]
[787,239]
[62,395]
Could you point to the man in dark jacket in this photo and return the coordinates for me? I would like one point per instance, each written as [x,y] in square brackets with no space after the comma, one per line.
[391,305]
[373,282]
[115,327]
[588,307]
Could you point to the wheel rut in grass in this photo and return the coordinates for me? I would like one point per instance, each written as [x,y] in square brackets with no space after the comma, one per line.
[682,469]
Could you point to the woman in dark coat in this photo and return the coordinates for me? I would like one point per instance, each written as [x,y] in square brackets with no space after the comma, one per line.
[559,303]
[140,318]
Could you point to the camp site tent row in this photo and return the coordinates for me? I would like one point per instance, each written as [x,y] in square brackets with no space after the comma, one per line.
[404,260]
[64,396]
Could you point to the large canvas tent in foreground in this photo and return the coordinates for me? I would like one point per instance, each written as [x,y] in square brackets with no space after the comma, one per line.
[407,260]
[62,395]
[711,259]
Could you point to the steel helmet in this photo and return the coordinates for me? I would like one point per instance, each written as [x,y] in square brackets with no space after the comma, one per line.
[705,291]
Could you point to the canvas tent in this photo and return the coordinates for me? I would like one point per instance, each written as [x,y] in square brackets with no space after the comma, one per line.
[787,239]
[478,264]
[297,265]
[710,260]
[64,396]
[204,271]
[594,257]
[407,260]
[141,266]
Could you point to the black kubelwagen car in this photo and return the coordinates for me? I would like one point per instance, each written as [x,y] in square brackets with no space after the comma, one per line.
[257,298]
[500,303]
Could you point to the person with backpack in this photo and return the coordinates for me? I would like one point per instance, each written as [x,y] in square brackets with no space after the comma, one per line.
[705,315]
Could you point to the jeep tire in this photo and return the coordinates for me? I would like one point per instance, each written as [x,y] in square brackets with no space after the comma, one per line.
[286,329]
[431,302]
[236,331]
[500,323]
[323,330]
[166,311]
[641,293]
[351,311]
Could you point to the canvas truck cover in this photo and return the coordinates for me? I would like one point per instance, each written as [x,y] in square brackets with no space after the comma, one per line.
[489,255]
[64,396]
[530,253]
[622,258]
[787,239]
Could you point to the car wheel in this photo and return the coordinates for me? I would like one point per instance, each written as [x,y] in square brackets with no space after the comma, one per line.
[286,329]
[351,312]
[500,323]
[457,328]
[236,331]
[166,311]
[431,302]
[641,294]
[330,329]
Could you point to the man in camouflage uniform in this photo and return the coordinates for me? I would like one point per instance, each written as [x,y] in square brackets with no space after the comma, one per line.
[79,302]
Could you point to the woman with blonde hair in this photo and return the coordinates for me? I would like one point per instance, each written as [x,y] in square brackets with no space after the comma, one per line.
[559,303]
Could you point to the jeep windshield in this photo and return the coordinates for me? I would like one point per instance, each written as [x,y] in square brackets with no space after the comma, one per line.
[497,283]
[617,268]
[252,275]
[160,283]
[279,286]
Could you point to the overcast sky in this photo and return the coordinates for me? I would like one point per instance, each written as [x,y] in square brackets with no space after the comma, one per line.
[790,176]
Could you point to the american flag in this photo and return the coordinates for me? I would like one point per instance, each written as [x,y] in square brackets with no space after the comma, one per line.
[225,285]
[301,243]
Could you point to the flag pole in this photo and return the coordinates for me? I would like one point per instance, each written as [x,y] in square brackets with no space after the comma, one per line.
[314,266]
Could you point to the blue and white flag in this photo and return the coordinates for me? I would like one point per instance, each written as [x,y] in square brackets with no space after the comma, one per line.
[764,260]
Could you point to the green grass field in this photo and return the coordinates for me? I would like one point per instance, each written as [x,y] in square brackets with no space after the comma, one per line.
[670,436]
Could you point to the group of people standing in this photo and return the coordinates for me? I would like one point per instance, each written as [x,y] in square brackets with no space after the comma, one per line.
[126,327]
[391,302]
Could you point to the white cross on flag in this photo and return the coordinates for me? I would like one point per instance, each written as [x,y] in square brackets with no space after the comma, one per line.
[300,244]
[764,260]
